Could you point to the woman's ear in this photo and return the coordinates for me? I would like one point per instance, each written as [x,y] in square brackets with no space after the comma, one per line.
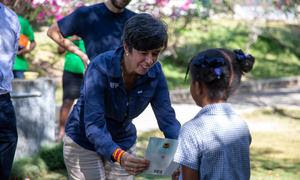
[126,49]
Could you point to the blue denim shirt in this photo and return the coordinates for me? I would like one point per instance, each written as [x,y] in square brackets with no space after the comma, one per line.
[9,35]
[101,120]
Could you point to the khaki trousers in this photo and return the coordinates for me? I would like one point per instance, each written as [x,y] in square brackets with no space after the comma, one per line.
[83,164]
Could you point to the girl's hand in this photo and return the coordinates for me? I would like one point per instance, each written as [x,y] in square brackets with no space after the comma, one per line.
[133,165]
[175,175]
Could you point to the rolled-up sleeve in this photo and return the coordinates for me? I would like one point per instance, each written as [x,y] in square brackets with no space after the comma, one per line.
[94,119]
[163,110]
[73,23]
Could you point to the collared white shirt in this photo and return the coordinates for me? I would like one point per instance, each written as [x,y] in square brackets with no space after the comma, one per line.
[216,144]
[9,36]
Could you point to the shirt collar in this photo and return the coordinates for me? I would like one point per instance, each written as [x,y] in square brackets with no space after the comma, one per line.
[217,109]
[115,70]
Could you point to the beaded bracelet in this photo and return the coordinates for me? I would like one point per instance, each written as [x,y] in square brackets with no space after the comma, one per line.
[118,153]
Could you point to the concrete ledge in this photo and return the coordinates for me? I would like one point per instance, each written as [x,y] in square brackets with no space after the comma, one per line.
[180,96]
[269,84]
[34,102]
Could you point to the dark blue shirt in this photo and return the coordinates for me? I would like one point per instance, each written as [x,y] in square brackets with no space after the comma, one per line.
[101,120]
[100,29]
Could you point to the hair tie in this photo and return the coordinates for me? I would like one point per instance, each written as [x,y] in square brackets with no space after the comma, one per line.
[218,72]
[241,56]
[245,61]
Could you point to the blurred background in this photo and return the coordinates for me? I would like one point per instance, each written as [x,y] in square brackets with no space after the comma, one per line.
[268,29]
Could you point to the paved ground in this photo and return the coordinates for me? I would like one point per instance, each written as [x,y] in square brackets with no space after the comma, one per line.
[288,97]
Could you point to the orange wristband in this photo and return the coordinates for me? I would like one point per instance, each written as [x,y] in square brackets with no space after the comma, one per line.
[120,156]
[118,153]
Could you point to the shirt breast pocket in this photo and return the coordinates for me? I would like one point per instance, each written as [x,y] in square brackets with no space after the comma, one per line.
[141,99]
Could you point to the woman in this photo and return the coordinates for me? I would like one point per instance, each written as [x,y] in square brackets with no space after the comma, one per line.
[118,85]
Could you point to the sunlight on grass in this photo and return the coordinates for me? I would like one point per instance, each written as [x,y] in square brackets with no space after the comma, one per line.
[274,150]
[275,144]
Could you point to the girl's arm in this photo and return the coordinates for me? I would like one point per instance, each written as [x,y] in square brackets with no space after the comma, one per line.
[188,173]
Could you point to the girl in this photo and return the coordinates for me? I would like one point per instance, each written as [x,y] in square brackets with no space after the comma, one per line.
[215,143]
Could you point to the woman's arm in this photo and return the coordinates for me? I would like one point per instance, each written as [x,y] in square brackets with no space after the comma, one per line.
[189,174]
[163,110]
[94,87]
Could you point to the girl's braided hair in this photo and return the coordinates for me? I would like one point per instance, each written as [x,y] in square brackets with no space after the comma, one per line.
[220,70]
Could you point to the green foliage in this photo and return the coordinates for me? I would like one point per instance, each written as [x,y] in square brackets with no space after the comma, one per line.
[275,49]
[53,157]
[47,161]
[29,167]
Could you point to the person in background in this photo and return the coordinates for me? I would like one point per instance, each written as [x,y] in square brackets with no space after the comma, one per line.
[26,45]
[118,86]
[9,35]
[71,82]
[100,26]
[215,143]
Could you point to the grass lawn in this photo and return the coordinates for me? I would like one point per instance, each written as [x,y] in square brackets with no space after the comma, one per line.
[274,150]
[276,142]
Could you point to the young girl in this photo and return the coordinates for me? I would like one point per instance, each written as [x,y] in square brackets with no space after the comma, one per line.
[215,143]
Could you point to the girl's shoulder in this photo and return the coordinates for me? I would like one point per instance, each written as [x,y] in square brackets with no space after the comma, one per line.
[193,125]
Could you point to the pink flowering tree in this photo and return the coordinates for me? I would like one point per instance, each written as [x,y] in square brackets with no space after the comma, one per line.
[41,11]
[38,11]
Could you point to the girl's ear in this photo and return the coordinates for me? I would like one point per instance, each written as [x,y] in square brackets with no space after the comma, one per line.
[199,88]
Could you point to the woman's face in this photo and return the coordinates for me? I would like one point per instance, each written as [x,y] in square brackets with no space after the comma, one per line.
[140,62]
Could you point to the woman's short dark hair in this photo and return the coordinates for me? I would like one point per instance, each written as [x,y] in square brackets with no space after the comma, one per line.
[220,70]
[144,32]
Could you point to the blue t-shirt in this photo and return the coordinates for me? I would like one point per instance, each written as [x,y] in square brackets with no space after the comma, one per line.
[216,144]
[100,29]
[101,120]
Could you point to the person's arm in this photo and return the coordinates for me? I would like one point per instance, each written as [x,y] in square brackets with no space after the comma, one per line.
[189,152]
[95,122]
[62,50]
[94,111]
[163,110]
[189,174]
[55,34]
[28,31]
[27,50]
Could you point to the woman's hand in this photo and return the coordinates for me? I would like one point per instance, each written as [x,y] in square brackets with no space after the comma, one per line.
[133,165]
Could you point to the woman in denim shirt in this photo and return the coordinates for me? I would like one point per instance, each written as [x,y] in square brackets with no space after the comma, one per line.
[118,86]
